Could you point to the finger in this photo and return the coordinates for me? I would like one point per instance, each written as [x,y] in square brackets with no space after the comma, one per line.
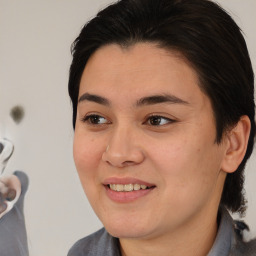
[7,193]
[3,188]
[10,195]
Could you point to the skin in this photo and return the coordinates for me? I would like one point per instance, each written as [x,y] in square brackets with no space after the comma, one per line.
[175,151]
[6,193]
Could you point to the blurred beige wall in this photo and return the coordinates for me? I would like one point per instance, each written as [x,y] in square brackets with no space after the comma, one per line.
[35,39]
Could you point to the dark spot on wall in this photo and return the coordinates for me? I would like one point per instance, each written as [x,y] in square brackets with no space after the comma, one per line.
[17,113]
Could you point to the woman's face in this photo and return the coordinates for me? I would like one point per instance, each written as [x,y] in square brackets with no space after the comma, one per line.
[144,144]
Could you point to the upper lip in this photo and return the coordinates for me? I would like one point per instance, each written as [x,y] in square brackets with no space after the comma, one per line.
[126,180]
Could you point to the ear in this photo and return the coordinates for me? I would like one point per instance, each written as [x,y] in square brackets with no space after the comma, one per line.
[237,140]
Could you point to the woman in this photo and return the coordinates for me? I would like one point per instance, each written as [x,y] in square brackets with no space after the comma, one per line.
[163,113]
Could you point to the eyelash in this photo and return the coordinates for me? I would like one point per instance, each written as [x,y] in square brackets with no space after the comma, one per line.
[92,119]
[157,118]
[89,119]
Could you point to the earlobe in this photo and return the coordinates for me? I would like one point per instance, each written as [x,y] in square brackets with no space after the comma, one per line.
[237,140]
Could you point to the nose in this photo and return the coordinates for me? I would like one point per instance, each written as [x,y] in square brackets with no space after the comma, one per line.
[123,149]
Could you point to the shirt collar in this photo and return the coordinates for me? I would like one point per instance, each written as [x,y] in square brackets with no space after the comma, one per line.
[224,242]
[225,238]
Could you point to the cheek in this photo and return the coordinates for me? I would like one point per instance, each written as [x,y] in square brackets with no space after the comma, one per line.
[87,153]
[87,156]
[186,165]
[189,176]
[170,157]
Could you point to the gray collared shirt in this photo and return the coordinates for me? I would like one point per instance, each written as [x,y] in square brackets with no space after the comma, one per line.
[227,242]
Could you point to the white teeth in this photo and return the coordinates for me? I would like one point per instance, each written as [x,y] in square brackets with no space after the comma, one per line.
[136,187]
[143,186]
[119,187]
[126,187]
[113,186]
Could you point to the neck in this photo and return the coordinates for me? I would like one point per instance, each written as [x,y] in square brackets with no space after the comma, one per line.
[194,238]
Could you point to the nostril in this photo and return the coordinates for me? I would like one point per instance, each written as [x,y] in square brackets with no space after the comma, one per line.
[127,163]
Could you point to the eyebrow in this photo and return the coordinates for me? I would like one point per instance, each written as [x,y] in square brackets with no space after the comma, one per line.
[157,99]
[149,100]
[94,98]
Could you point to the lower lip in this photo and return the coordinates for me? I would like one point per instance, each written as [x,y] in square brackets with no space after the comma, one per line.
[125,197]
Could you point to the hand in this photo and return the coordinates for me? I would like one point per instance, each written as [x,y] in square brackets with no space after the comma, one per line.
[6,151]
[6,194]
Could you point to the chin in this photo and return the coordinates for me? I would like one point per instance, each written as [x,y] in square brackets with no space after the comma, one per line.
[127,229]
[121,233]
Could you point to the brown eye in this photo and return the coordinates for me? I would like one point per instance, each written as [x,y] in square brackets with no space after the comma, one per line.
[158,120]
[155,120]
[95,119]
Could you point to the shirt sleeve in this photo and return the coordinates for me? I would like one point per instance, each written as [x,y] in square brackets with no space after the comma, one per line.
[13,235]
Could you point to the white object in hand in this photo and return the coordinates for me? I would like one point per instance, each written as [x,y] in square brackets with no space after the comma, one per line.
[6,150]
[9,181]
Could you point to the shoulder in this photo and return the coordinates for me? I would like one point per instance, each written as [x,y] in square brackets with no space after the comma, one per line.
[96,244]
[88,244]
[229,240]
[242,248]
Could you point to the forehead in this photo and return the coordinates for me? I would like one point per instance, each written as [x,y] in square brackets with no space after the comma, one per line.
[140,69]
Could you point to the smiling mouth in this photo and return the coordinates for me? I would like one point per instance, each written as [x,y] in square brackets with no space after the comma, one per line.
[128,187]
